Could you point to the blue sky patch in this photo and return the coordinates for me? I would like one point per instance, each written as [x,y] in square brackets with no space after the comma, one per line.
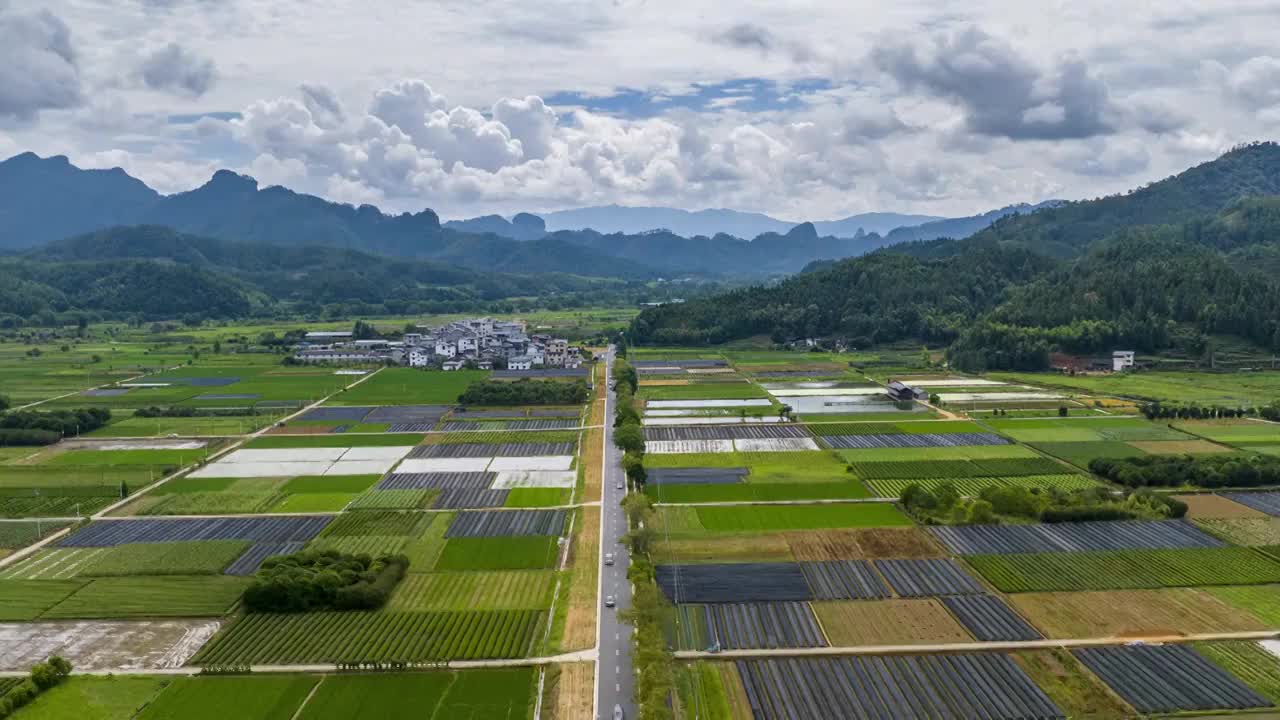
[741,94]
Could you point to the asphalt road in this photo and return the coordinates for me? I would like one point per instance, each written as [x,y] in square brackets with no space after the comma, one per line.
[614,675]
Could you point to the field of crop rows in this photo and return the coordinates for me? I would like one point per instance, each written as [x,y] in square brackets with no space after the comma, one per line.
[350,414]
[1127,569]
[844,580]
[825,580]
[888,470]
[407,414]
[473,450]
[251,560]
[893,688]
[104,533]
[470,499]
[1267,502]
[989,618]
[733,582]
[925,578]
[366,636]
[725,432]
[1168,678]
[437,481]
[1073,537]
[758,625]
[975,485]
[695,476]
[205,557]
[548,424]
[21,534]
[911,440]
[510,523]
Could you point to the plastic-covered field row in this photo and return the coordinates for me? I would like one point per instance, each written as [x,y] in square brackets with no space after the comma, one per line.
[106,533]
[893,687]
[831,580]
[511,523]
[1168,678]
[725,432]
[911,440]
[1074,537]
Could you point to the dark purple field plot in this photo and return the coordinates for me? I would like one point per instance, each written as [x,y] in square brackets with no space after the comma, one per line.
[1168,678]
[336,414]
[725,432]
[741,626]
[911,440]
[109,533]
[928,578]
[468,450]
[1074,537]
[418,414]
[733,582]
[1267,502]
[438,481]
[470,499]
[908,687]
[251,560]
[989,618]
[695,476]
[509,523]
[844,580]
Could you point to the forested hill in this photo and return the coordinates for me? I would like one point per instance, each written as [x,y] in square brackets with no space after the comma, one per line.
[157,273]
[1067,230]
[1002,305]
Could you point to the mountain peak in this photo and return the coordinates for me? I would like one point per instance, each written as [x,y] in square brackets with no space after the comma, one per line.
[803,232]
[227,180]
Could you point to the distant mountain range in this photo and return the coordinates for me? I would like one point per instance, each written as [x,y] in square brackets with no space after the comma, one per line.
[610,219]
[48,199]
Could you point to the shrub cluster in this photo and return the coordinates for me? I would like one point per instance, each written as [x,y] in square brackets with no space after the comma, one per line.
[628,431]
[11,438]
[60,423]
[1160,411]
[650,614]
[179,411]
[324,580]
[945,505]
[525,392]
[43,676]
[1210,471]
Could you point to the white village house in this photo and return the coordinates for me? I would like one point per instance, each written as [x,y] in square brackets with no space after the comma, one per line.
[478,342]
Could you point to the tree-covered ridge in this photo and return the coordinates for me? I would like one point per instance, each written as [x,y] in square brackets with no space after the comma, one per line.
[1004,306]
[155,272]
[1198,193]
[879,298]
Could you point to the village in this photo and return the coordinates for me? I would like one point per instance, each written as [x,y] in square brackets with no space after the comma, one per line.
[475,343]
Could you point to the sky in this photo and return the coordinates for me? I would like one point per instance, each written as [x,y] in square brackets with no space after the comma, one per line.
[806,109]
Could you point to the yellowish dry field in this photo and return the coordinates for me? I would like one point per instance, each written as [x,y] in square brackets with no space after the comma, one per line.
[1132,613]
[584,560]
[722,548]
[1207,507]
[1244,531]
[889,622]
[863,543]
[571,699]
